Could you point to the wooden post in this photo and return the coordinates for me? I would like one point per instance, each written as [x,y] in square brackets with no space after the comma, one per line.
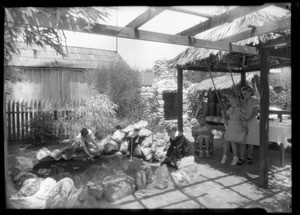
[243,78]
[13,119]
[264,117]
[179,94]
[8,111]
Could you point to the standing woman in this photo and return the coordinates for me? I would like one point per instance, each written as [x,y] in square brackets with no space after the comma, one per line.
[250,107]
[235,131]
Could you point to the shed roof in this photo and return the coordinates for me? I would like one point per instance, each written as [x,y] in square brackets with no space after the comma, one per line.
[77,57]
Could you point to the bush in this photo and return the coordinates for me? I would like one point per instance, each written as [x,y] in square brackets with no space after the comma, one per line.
[121,84]
[96,113]
[42,127]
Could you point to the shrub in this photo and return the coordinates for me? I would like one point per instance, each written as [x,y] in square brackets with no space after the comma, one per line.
[96,113]
[121,84]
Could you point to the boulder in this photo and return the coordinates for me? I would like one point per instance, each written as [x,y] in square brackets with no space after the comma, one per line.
[139,125]
[160,135]
[146,152]
[128,129]
[43,153]
[138,151]
[160,143]
[162,178]
[117,187]
[23,164]
[30,186]
[95,190]
[118,136]
[108,146]
[46,186]
[133,134]
[63,194]
[140,179]
[186,161]
[160,153]
[166,138]
[179,177]
[144,132]
[154,137]
[56,154]
[44,171]
[147,142]
[124,146]
[22,176]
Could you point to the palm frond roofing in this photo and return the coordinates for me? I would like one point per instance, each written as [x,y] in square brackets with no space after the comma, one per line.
[221,82]
[77,57]
[190,55]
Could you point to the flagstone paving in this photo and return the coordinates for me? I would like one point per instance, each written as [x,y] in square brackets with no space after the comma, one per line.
[211,188]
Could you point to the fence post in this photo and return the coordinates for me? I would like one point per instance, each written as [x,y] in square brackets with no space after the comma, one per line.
[22,119]
[13,119]
[26,119]
[8,118]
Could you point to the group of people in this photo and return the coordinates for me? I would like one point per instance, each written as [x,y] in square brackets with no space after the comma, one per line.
[241,127]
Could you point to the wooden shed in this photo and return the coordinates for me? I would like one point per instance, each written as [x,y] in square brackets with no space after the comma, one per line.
[49,76]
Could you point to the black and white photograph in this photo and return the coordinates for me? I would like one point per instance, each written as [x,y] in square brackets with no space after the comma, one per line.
[148,107]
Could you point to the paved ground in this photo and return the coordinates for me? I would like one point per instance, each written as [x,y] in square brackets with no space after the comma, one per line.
[222,186]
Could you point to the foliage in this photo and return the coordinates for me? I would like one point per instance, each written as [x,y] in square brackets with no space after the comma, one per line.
[42,126]
[96,113]
[162,71]
[121,84]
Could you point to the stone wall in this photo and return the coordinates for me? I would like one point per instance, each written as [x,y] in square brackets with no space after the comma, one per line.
[154,103]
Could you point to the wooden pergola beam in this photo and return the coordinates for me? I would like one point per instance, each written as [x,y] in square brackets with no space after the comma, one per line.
[221,19]
[189,12]
[269,27]
[131,33]
[145,17]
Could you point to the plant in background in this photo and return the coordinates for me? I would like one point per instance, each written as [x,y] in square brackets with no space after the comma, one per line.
[96,113]
[121,84]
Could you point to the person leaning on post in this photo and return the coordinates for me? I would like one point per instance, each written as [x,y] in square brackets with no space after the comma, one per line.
[180,147]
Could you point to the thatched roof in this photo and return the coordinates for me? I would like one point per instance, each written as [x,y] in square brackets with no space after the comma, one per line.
[222,82]
[195,56]
[77,57]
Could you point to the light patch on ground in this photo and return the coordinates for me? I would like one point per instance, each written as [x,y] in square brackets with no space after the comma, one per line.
[202,189]
[280,202]
[164,199]
[209,172]
[133,205]
[224,198]
[250,191]
[231,180]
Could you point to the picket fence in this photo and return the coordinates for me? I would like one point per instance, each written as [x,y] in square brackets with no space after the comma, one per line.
[19,114]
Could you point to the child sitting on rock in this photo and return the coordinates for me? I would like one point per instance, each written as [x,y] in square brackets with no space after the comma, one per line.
[202,134]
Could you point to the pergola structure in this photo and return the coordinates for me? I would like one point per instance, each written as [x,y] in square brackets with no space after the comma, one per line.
[262,58]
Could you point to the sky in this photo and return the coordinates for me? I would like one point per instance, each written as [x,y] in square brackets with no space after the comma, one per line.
[138,53]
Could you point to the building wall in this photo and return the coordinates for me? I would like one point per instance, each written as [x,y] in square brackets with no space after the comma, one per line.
[44,83]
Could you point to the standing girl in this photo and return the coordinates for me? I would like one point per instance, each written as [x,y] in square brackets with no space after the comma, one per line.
[250,107]
[235,131]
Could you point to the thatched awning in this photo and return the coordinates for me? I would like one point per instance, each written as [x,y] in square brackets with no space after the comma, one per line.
[195,57]
[222,82]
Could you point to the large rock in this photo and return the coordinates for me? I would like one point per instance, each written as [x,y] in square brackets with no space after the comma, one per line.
[162,178]
[23,164]
[30,186]
[118,136]
[133,134]
[128,129]
[140,179]
[160,142]
[160,153]
[179,177]
[117,187]
[144,132]
[146,152]
[22,176]
[160,135]
[186,161]
[147,142]
[108,146]
[56,154]
[43,153]
[46,186]
[138,151]
[139,125]
[63,194]
[95,190]
[124,146]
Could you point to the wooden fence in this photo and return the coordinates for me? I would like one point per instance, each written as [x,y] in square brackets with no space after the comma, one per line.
[19,114]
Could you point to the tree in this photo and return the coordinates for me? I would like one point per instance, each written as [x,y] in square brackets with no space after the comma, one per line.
[15,32]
